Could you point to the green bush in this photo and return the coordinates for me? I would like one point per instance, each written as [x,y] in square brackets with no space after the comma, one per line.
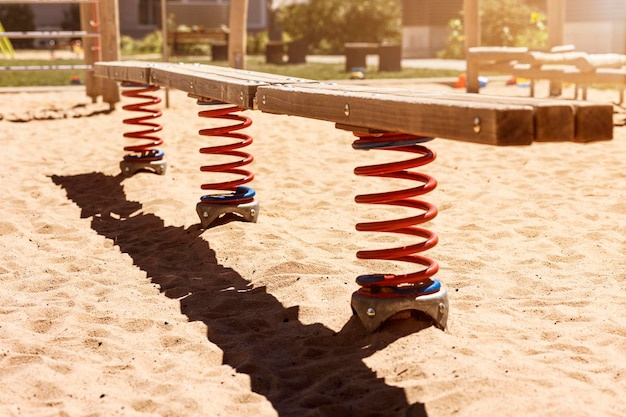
[127,45]
[255,43]
[455,43]
[503,23]
[327,24]
[152,43]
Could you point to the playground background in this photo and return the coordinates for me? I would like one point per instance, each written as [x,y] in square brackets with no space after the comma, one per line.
[113,301]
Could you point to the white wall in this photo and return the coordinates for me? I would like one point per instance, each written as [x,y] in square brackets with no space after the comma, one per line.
[596,37]
[423,41]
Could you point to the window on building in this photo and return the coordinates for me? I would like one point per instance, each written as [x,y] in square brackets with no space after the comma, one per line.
[149,12]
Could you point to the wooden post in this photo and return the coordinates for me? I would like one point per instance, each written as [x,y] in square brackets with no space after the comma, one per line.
[166,47]
[89,22]
[101,17]
[471,25]
[238,31]
[556,20]
[110,44]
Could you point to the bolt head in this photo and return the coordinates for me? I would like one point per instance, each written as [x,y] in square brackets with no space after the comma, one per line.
[477,124]
[371,312]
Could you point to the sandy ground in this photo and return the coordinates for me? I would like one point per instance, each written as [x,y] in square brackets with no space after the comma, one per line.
[115,302]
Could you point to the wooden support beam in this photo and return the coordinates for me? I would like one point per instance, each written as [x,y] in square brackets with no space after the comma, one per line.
[471,25]
[238,33]
[91,48]
[556,21]
[110,46]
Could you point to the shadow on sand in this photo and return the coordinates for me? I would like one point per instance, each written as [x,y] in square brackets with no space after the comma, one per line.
[303,370]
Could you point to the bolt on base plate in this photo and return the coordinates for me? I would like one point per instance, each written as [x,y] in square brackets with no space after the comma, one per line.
[373,311]
[130,167]
[210,212]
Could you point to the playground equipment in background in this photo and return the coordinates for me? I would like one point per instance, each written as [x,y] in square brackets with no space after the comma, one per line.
[381,118]
[561,64]
[99,36]
[6,48]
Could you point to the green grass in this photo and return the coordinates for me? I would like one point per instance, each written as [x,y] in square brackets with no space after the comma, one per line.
[322,72]
[315,71]
[38,78]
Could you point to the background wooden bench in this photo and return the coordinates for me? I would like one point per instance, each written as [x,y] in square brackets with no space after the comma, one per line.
[559,64]
[215,38]
[195,23]
[389,55]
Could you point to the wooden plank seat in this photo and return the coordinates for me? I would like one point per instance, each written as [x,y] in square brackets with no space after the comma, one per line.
[553,120]
[468,117]
[234,86]
[427,115]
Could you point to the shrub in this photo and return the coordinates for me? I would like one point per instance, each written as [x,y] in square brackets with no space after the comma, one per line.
[255,43]
[327,24]
[503,23]
[151,43]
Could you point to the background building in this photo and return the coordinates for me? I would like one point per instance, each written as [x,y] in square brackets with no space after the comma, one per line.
[594,26]
[425,26]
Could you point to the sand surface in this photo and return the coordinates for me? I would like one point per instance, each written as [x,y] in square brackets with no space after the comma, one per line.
[114,302]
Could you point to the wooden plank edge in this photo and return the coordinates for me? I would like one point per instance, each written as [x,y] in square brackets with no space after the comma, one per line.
[594,123]
[501,125]
[131,71]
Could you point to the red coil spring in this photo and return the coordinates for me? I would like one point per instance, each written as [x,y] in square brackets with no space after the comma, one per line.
[411,284]
[238,194]
[146,151]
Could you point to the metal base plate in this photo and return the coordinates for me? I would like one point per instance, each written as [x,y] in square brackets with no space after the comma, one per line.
[373,311]
[130,167]
[210,212]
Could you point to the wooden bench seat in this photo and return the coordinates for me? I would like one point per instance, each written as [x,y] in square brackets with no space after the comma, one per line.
[225,84]
[468,117]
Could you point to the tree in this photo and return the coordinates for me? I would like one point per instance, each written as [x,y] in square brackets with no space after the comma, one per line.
[327,24]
